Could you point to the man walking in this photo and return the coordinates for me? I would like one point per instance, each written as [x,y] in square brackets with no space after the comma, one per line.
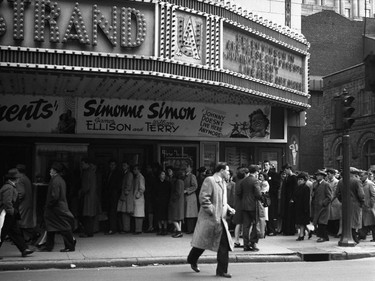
[249,192]
[211,231]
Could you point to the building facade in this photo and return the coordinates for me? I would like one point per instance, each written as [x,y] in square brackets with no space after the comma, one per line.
[352,9]
[355,81]
[337,43]
[175,82]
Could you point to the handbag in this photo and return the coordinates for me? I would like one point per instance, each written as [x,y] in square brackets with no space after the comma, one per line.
[266,199]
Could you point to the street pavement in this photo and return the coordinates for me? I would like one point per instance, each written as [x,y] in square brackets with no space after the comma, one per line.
[121,250]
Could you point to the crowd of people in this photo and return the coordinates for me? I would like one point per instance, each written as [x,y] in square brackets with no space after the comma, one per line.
[129,199]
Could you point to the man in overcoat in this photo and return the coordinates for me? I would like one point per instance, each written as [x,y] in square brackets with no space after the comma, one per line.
[211,231]
[249,192]
[357,197]
[368,209]
[27,222]
[274,182]
[321,200]
[89,196]
[112,193]
[57,216]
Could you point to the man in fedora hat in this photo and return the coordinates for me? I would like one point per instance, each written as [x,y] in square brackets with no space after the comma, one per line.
[57,216]
[8,205]
[357,199]
[321,200]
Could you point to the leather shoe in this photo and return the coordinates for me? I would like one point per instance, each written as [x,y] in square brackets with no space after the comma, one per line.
[45,249]
[320,240]
[67,250]
[27,252]
[224,274]
[254,247]
[195,267]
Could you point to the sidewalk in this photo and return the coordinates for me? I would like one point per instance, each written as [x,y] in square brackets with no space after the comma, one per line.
[149,249]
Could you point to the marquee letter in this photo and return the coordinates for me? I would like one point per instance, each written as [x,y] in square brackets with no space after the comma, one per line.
[76,23]
[109,30]
[19,7]
[42,16]
[126,28]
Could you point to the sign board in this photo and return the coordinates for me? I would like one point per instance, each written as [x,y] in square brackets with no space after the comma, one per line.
[262,60]
[175,119]
[105,26]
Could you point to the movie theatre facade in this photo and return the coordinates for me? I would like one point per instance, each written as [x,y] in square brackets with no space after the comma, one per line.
[177,82]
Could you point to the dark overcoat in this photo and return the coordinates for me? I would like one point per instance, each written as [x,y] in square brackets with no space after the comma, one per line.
[89,192]
[321,200]
[176,202]
[57,215]
[26,202]
[302,204]
[212,215]
[357,199]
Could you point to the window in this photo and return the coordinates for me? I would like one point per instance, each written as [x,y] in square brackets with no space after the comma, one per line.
[369,153]
[347,13]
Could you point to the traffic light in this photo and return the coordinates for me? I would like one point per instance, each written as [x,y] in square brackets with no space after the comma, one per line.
[344,111]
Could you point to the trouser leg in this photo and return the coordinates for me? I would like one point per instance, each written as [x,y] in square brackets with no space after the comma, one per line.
[190,224]
[246,228]
[253,234]
[322,229]
[138,224]
[89,225]
[68,239]
[11,228]
[223,253]
[194,255]
[126,219]
[50,240]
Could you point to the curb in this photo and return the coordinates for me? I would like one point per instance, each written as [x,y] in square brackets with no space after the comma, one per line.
[149,261]
[129,262]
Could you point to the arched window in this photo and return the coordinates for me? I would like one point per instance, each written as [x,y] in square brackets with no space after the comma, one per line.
[369,153]
[338,157]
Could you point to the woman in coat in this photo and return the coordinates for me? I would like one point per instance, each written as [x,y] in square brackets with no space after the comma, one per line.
[57,216]
[302,204]
[211,232]
[9,213]
[139,199]
[176,203]
[162,195]
[89,197]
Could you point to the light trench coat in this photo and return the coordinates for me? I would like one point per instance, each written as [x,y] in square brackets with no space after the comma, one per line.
[212,215]
[368,209]
[139,198]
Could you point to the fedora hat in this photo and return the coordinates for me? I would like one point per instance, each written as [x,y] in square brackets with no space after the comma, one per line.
[321,172]
[58,167]
[354,170]
[303,175]
[13,174]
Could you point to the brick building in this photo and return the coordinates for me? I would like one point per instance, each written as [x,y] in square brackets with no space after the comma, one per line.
[362,133]
[337,43]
